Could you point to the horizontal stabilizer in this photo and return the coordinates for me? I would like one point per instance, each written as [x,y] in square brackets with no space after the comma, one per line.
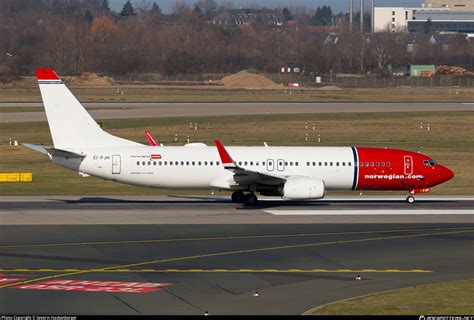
[53,152]
[36,147]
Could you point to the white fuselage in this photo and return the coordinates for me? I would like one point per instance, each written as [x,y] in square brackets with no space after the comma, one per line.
[199,167]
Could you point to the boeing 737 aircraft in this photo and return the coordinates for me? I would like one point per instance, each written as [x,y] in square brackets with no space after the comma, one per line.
[288,172]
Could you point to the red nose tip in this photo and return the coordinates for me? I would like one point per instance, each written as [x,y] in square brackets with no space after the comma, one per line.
[447,174]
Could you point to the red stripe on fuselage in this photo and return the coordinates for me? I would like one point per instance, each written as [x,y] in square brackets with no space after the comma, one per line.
[385,169]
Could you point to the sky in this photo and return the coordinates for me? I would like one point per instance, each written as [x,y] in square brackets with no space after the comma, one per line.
[336,5]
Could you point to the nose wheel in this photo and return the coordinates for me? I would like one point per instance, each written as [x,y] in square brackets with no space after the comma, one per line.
[411,199]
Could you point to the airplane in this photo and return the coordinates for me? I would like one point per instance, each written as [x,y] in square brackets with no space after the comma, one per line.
[301,173]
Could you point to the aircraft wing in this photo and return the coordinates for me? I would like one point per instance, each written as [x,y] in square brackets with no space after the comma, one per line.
[246,176]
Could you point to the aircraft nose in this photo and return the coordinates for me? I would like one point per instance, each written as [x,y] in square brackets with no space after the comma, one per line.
[446,174]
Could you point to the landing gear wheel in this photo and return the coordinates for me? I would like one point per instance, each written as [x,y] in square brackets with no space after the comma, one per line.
[411,199]
[251,199]
[238,197]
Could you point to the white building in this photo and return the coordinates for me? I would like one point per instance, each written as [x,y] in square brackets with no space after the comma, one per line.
[461,5]
[393,19]
[401,19]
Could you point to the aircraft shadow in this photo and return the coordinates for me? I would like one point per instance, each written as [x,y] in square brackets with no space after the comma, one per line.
[262,204]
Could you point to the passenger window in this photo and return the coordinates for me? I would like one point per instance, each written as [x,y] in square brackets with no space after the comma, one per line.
[176,163]
[205,163]
[366,164]
[217,163]
[138,163]
[361,164]
[371,164]
[193,163]
[296,163]
[257,163]
[320,164]
[388,164]
[166,162]
[291,163]
[187,163]
[325,164]
[154,163]
[307,164]
[286,163]
[263,163]
[245,163]
[143,163]
[349,164]
[211,163]
[337,164]
[330,164]
[199,163]
[251,163]
[171,163]
[382,164]
[182,163]
[377,164]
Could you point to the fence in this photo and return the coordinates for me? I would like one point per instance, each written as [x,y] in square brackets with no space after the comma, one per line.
[308,80]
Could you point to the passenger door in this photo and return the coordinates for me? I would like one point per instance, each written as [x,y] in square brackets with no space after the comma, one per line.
[116,165]
[408,165]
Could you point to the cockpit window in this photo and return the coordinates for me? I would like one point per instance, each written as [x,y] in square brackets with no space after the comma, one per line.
[429,163]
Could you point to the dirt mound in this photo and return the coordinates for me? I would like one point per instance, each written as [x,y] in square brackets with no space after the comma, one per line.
[89,79]
[248,80]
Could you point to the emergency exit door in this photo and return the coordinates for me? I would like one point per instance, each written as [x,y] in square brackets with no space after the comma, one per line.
[116,164]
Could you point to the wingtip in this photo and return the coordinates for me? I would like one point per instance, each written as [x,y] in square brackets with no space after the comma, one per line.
[224,155]
[46,74]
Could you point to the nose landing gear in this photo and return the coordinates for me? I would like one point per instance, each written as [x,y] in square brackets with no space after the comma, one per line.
[240,197]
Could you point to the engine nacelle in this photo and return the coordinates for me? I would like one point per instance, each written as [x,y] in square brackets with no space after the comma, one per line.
[303,188]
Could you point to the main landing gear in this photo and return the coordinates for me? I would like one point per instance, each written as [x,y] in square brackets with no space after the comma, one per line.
[410,199]
[240,197]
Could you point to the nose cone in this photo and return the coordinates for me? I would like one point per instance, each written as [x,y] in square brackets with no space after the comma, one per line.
[445,174]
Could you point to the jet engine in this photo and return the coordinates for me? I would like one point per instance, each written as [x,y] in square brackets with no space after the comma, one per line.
[303,188]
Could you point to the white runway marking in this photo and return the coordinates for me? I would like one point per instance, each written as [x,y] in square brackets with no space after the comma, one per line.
[365,212]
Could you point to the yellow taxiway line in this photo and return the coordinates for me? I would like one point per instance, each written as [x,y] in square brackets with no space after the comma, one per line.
[220,270]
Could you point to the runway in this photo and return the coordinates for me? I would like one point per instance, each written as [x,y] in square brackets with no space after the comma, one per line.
[189,254]
[127,110]
[57,210]
[190,269]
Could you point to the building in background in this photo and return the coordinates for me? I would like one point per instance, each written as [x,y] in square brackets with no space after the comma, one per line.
[467,5]
[429,18]
[412,70]
[442,20]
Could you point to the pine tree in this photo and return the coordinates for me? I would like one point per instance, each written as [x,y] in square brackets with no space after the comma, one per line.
[127,10]
[322,17]
[155,8]
[104,7]
[427,26]
[287,14]
[88,17]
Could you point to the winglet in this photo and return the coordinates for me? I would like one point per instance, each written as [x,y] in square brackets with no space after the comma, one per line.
[151,140]
[225,157]
[46,74]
